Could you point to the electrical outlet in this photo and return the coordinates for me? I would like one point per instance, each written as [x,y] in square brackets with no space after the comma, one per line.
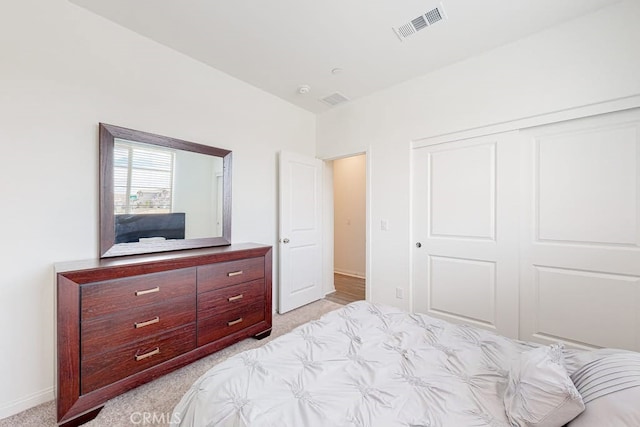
[399,293]
[384,225]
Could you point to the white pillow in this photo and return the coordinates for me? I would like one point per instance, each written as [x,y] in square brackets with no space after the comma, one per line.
[610,387]
[619,409]
[539,391]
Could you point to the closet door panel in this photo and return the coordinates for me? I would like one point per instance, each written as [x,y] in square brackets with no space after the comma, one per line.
[586,183]
[471,213]
[451,293]
[607,303]
[464,221]
[580,235]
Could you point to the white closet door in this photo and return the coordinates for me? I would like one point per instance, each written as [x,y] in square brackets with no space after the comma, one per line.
[580,241]
[465,213]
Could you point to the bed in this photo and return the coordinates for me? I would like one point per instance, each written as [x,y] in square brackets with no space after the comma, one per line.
[375,365]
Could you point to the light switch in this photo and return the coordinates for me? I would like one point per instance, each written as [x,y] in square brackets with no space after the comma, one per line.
[384,225]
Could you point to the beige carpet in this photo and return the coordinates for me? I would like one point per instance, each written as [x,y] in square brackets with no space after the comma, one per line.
[158,398]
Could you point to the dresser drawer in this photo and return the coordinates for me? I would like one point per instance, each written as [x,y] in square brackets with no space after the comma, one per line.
[223,324]
[111,296]
[230,298]
[104,333]
[216,276]
[121,362]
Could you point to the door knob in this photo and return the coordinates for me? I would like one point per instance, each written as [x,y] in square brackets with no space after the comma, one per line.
[285,240]
[418,245]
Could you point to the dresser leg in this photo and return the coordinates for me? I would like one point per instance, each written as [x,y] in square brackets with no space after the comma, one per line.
[263,335]
[84,418]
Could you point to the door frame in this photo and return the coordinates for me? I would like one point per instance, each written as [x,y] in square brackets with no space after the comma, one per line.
[328,229]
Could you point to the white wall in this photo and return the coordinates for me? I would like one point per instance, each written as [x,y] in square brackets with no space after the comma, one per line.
[63,70]
[195,192]
[349,201]
[585,61]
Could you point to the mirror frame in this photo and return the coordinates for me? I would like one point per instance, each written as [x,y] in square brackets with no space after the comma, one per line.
[108,247]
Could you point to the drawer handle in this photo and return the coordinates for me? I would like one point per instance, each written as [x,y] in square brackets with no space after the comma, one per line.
[148,291]
[234,322]
[151,353]
[236,298]
[235,273]
[147,323]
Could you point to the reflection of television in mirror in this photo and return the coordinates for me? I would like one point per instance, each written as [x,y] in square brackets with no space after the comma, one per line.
[132,228]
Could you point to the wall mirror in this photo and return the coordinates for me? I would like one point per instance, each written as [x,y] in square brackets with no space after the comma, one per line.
[161,194]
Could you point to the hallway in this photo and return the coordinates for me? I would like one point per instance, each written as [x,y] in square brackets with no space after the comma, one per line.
[348,289]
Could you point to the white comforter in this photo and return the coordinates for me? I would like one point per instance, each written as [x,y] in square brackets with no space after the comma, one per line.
[363,365]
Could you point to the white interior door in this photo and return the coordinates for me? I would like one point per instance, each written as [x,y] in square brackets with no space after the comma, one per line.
[465,228]
[580,259]
[300,231]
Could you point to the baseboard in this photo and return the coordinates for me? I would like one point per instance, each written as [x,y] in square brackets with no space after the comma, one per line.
[27,402]
[329,291]
[357,275]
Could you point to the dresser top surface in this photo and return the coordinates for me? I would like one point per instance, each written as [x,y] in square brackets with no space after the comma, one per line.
[98,263]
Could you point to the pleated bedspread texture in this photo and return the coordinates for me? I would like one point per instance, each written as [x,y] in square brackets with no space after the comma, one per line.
[363,365]
[375,365]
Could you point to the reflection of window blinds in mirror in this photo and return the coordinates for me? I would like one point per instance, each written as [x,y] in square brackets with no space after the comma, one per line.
[142,178]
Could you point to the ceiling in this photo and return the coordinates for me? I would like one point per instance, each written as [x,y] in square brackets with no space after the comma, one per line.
[280,45]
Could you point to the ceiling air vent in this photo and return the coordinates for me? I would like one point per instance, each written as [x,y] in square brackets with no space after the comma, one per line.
[433,16]
[420,23]
[334,99]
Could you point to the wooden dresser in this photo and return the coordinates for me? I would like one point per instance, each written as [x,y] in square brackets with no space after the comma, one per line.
[122,322]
